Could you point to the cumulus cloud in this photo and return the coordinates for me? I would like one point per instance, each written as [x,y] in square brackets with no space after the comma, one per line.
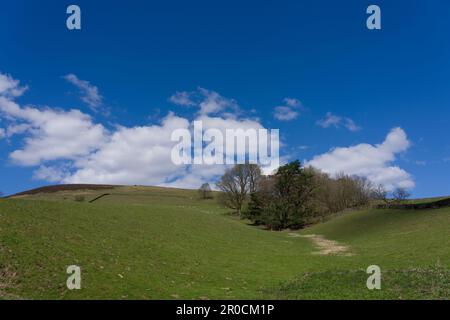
[182,98]
[10,87]
[292,102]
[17,129]
[53,134]
[55,173]
[284,113]
[335,121]
[289,111]
[371,161]
[142,155]
[209,102]
[2,133]
[136,155]
[89,93]
[69,147]
[214,103]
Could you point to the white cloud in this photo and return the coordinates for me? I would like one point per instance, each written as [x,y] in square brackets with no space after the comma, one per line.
[182,98]
[89,93]
[329,120]
[51,173]
[208,102]
[195,175]
[17,129]
[69,147]
[137,155]
[371,161]
[351,125]
[284,113]
[10,87]
[289,111]
[292,102]
[13,129]
[142,155]
[53,134]
[214,103]
[228,123]
[332,120]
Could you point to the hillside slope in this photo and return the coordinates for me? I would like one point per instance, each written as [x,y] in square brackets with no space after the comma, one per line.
[157,243]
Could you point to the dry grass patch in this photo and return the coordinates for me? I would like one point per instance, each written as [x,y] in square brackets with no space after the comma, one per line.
[328,247]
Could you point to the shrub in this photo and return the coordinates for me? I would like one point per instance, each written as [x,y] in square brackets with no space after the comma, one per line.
[79,198]
[205,191]
[400,195]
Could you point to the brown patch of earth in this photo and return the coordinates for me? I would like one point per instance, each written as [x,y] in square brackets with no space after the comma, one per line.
[327,247]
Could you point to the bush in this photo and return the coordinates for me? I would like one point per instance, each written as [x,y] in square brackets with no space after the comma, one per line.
[79,198]
[205,191]
[400,195]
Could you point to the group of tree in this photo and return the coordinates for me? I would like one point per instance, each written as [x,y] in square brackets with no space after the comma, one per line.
[283,200]
[294,196]
[398,196]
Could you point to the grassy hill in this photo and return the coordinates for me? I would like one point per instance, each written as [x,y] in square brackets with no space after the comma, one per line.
[160,243]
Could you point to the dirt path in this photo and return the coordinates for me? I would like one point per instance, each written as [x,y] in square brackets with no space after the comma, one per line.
[327,247]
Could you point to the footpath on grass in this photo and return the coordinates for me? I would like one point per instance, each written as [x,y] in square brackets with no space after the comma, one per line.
[325,246]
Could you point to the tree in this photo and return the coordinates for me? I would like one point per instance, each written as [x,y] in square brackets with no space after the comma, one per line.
[294,187]
[236,183]
[205,191]
[400,195]
[255,209]
[260,200]
[341,192]
[254,172]
[283,200]
[379,193]
[363,189]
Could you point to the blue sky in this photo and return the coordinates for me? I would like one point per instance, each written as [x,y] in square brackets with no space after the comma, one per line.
[352,85]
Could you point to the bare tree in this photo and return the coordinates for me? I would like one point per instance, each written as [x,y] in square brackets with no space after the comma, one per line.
[237,183]
[205,191]
[254,172]
[400,195]
[379,193]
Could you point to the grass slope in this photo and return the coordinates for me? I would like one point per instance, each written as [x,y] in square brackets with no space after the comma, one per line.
[157,243]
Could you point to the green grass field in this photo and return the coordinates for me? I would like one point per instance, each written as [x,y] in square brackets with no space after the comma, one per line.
[157,243]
